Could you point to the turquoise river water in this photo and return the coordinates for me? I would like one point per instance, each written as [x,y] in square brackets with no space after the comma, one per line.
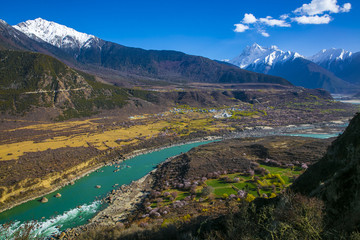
[81,201]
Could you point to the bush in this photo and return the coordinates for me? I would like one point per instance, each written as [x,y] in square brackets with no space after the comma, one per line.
[206,191]
[250,197]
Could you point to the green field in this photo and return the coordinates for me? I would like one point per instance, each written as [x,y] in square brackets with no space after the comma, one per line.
[274,182]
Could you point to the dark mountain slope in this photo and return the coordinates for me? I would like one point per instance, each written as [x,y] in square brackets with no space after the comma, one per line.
[349,69]
[170,66]
[336,179]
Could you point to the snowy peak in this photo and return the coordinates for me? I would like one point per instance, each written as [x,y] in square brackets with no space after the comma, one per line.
[56,34]
[330,55]
[3,22]
[249,55]
[256,54]
[254,47]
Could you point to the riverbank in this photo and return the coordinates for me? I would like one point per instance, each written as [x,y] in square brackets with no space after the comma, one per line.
[248,132]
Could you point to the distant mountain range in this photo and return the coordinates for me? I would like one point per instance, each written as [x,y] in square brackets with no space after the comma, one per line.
[335,70]
[121,65]
[344,64]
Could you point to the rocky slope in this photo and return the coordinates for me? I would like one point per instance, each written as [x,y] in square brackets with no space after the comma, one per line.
[335,179]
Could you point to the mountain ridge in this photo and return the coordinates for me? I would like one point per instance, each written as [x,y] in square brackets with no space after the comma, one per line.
[55,34]
[256,54]
[133,66]
[344,64]
[292,66]
[326,56]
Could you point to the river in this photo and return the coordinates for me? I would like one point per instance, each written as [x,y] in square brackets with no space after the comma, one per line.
[81,201]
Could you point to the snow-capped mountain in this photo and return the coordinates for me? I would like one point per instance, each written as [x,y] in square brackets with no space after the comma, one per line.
[262,58]
[56,34]
[291,66]
[344,64]
[11,38]
[326,56]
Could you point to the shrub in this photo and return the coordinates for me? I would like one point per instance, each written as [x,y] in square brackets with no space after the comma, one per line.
[186,218]
[206,191]
[272,195]
[250,197]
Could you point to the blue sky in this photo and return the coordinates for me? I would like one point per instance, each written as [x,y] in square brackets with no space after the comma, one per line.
[200,27]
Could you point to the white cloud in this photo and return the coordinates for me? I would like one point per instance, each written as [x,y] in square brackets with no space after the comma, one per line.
[315,12]
[274,22]
[346,7]
[249,18]
[264,34]
[240,27]
[325,19]
[284,16]
[316,7]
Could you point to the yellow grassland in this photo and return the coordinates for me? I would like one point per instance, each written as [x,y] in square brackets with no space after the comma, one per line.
[87,133]
[59,126]
[101,140]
